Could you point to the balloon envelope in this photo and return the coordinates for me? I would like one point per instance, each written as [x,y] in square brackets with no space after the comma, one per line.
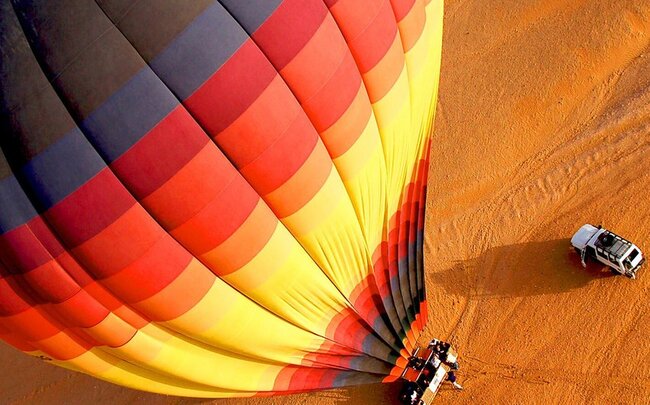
[216,199]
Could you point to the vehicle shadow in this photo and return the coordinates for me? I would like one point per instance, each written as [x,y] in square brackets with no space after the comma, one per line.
[524,269]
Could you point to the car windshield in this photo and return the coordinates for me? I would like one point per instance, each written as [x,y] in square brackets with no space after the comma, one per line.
[633,254]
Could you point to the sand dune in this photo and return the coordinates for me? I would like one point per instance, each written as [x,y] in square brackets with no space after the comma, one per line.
[543,124]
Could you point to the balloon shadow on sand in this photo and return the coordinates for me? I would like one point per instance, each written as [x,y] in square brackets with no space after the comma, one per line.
[364,394]
[525,269]
[387,394]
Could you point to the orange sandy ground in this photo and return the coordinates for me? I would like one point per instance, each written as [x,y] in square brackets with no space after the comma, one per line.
[543,124]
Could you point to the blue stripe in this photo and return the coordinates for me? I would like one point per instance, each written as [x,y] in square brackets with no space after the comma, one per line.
[251,14]
[129,114]
[15,207]
[121,121]
[61,169]
[199,51]
[109,131]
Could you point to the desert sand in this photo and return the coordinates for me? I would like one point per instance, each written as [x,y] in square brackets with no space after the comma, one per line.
[543,124]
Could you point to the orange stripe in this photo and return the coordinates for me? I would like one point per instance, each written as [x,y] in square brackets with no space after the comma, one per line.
[373,43]
[303,185]
[33,324]
[339,137]
[243,245]
[229,209]
[412,25]
[274,111]
[354,16]
[317,61]
[111,331]
[151,273]
[61,347]
[380,79]
[109,251]
[133,318]
[328,105]
[203,178]
[179,296]
[281,159]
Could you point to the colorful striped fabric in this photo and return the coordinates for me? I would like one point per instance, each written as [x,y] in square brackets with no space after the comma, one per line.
[216,199]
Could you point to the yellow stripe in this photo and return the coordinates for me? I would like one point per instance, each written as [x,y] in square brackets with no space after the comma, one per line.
[363,171]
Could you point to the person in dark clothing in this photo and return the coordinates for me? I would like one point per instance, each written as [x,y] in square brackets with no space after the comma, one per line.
[451,376]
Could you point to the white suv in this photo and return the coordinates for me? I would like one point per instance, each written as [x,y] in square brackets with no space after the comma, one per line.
[608,248]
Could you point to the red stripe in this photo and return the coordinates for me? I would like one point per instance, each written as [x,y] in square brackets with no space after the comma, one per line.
[14,300]
[219,219]
[119,245]
[32,325]
[267,118]
[203,178]
[81,310]
[372,45]
[328,105]
[91,208]
[152,272]
[160,153]
[51,283]
[74,269]
[29,246]
[283,158]
[312,378]
[179,296]
[295,22]
[230,90]
[14,340]
[103,296]
[402,8]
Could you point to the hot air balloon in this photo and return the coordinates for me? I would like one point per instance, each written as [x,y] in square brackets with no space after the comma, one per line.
[216,198]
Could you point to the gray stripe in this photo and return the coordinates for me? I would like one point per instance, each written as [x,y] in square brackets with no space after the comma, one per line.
[369,365]
[199,51]
[396,290]
[375,347]
[128,114]
[347,378]
[251,14]
[392,315]
[405,274]
[386,333]
[419,250]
